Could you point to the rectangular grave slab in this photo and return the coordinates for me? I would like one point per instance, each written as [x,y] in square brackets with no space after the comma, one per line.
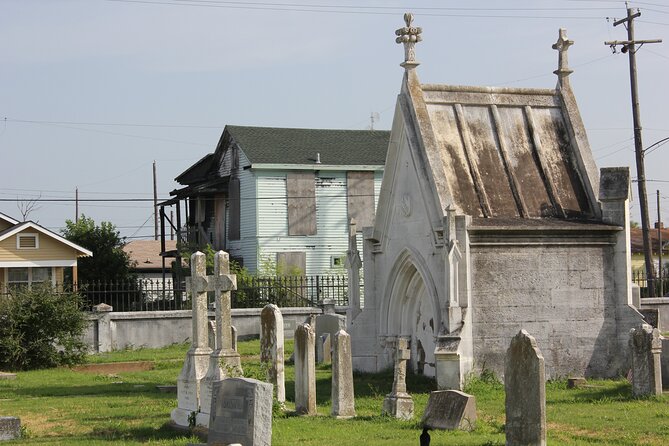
[450,410]
[10,428]
[241,412]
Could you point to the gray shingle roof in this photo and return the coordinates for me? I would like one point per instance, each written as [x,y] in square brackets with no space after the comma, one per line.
[269,145]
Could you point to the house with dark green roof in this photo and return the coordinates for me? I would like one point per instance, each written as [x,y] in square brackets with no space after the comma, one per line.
[283,196]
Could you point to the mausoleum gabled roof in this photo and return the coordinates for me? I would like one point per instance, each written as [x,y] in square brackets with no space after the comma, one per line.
[504,152]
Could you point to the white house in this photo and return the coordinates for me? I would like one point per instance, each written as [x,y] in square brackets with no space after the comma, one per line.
[282,196]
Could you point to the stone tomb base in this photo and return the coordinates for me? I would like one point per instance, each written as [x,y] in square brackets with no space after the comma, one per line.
[398,406]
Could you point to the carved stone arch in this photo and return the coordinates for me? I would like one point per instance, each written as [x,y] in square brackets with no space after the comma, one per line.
[412,308]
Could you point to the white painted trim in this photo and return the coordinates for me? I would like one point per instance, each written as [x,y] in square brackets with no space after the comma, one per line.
[37,263]
[29,224]
[27,235]
[345,168]
[8,219]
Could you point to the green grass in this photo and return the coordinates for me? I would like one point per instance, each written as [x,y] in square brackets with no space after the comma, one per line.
[62,406]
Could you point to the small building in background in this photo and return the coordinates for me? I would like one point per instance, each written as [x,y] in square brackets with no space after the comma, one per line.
[31,254]
[146,261]
[280,199]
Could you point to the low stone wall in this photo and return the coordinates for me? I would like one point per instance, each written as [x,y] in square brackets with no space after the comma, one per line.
[661,304]
[119,330]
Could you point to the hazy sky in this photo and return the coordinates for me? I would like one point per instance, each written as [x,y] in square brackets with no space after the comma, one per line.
[93,91]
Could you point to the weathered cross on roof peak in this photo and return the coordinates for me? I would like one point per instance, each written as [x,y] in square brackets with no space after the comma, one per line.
[409,35]
[562,46]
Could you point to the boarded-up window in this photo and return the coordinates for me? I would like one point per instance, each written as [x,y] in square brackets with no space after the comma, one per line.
[360,191]
[235,209]
[291,263]
[301,190]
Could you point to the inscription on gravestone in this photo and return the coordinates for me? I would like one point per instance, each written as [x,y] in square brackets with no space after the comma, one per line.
[241,412]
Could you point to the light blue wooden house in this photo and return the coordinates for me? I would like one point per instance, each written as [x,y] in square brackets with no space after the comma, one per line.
[282,196]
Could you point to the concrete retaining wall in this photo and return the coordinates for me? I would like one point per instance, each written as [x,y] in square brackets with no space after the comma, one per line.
[116,331]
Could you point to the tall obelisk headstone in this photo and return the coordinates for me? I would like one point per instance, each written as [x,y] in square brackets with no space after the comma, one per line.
[343,400]
[224,362]
[525,387]
[271,348]
[197,359]
[305,370]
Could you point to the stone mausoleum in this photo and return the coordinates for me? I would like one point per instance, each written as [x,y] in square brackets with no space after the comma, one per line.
[492,218]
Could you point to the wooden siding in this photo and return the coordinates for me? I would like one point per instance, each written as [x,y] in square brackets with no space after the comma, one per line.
[247,246]
[49,249]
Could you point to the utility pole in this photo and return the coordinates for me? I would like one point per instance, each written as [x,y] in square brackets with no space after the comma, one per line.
[76,205]
[659,239]
[630,46]
[155,203]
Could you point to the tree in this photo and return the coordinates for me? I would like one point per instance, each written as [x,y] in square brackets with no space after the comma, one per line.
[109,261]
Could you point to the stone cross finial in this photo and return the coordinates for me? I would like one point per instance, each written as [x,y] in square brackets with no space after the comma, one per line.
[409,36]
[562,45]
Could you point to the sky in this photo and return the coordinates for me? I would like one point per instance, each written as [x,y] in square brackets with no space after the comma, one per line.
[92,92]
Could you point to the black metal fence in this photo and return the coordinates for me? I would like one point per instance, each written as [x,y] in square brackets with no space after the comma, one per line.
[252,292]
[661,286]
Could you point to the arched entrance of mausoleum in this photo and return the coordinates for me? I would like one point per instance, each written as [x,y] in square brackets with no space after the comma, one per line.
[412,311]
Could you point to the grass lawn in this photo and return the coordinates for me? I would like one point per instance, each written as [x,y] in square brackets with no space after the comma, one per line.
[63,406]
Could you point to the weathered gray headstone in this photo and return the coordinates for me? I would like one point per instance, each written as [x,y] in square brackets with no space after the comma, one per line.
[326,348]
[197,359]
[525,387]
[450,410]
[327,323]
[646,347]
[343,399]
[271,348]
[10,428]
[305,370]
[241,412]
[398,403]
[224,361]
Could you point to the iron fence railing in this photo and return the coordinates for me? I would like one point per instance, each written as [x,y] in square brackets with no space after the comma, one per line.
[661,287]
[252,292]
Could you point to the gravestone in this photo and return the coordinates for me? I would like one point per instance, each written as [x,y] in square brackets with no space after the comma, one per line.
[241,412]
[272,347]
[450,410]
[305,370]
[343,399]
[10,428]
[398,402]
[224,361]
[197,359]
[646,347]
[328,323]
[326,348]
[7,376]
[525,387]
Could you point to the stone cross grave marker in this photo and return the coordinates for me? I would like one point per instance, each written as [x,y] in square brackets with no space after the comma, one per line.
[197,359]
[305,370]
[525,387]
[398,402]
[450,410]
[224,361]
[191,380]
[241,413]
[271,348]
[646,346]
[343,399]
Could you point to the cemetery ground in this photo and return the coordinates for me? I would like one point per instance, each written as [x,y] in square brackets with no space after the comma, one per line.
[68,407]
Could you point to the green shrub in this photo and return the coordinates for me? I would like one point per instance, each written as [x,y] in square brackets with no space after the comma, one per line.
[40,328]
